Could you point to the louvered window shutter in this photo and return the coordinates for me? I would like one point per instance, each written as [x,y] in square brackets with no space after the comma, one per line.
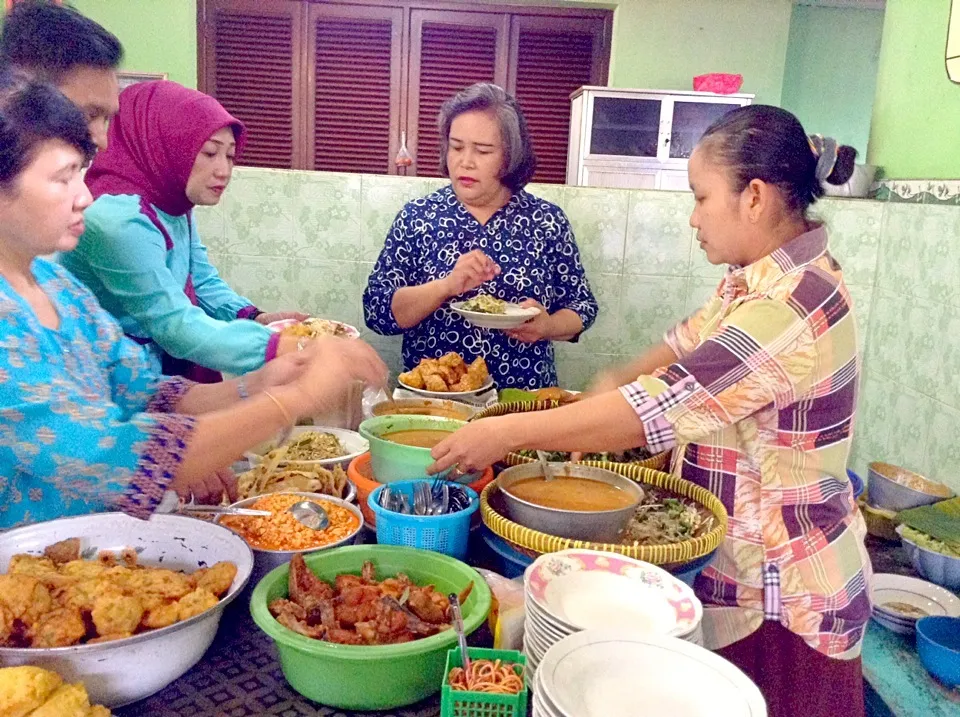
[451,51]
[355,51]
[554,57]
[254,68]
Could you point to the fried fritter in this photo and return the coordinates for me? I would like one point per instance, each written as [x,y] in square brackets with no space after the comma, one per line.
[82,569]
[165,583]
[66,701]
[98,711]
[83,594]
[195,603]
[116,614]
[162,615]
[216,579]
[38,567]
[58,628]
[25,596]
[24,689]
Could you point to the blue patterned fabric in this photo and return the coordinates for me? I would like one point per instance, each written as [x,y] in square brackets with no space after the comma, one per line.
[81,422]
[529,238]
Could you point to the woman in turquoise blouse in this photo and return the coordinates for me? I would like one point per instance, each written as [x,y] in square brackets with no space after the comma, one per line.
[170,148]
[86,423]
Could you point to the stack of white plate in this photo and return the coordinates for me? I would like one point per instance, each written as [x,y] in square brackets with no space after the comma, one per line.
[575,590]
[616,673]
[899,601]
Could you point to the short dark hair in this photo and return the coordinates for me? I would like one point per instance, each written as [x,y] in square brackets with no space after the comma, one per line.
[32,113]
[769,144]
[520,162]
[51,40]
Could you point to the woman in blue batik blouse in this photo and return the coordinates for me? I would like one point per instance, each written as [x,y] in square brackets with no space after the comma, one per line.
[482,233]
[86,422]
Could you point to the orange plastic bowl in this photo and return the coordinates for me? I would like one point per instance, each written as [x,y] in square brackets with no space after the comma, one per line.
[360,472]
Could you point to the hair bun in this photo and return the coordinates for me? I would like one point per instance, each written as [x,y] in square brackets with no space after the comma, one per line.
[844,166]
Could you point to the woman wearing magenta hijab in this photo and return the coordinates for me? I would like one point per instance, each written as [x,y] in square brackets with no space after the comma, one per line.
[170,149]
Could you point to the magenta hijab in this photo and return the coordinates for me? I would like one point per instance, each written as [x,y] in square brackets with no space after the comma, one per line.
[154,141]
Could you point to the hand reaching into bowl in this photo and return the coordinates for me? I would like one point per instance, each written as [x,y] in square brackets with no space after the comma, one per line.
[209,489]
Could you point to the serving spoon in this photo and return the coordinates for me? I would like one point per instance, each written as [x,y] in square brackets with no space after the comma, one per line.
[545,465]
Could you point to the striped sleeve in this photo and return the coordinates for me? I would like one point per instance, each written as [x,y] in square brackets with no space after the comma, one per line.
[761,354]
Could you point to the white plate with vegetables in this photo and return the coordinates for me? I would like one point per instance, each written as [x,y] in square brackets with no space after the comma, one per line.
[487,312]
[316,446]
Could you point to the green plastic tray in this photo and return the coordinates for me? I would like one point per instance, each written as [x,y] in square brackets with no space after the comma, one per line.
[455,703]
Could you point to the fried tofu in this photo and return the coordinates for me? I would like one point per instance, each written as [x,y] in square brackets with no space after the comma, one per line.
[24,689]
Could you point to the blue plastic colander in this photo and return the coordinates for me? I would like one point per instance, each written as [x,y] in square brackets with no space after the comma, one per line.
[447,534]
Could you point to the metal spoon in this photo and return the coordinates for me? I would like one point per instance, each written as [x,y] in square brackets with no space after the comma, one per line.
[545,465]
[458,626]
[310,514]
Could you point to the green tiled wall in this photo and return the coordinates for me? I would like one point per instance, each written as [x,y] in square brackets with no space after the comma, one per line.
[308,240]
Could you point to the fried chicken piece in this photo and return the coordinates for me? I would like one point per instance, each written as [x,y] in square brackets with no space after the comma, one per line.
[58,628]
[216,579]
[435,383]
[302,582]
[66,701]
[452,360]
[368,572]
[116,614]
[395,587]
[413,378]
[344,637]
[24,689]
[423,606]
[65,551]
[345,582]
[198,601]
[289,621]
[429,367]
[25,597]
[282,605]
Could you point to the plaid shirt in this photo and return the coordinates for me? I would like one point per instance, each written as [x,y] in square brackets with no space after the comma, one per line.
[759,407]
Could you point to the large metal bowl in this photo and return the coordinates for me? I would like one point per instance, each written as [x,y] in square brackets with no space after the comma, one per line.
[425,407]
[602,526]
[266,560]
[123,671]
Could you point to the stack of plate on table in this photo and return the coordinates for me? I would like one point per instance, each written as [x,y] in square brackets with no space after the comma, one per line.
[618,673]
[899,601]
[574,590]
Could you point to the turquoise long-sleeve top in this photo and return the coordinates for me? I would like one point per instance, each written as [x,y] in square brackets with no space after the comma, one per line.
[139,275]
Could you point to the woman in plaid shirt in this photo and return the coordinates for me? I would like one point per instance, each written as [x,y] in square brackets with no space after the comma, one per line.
[756,393]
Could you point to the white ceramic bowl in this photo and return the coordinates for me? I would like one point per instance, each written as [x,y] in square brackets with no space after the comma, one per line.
[352,442]
[123,671]
[512,317]
[351,331]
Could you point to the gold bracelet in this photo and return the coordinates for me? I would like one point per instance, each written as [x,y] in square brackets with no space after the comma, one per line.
[283,409]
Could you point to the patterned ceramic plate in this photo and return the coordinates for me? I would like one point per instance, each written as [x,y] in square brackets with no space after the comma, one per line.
[586,589]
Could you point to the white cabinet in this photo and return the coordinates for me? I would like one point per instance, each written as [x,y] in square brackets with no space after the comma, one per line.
[639,139]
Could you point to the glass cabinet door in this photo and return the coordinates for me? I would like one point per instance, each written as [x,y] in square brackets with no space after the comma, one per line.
[690,121]
[625,127]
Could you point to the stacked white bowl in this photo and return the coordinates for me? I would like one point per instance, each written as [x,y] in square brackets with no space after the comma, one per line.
[575,590]
[899,601]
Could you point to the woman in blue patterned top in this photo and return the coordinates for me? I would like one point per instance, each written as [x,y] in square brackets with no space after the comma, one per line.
[86,423]
[482,234]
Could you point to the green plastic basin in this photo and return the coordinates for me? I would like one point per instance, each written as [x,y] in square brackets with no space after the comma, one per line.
[392,462]
[374,677]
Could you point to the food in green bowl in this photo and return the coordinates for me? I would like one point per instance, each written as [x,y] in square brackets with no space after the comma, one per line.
[400,445]
[370,677]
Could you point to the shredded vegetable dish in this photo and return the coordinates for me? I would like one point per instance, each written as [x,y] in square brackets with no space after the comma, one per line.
[314,446]
[662,519]
[485,304]
[930,543]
